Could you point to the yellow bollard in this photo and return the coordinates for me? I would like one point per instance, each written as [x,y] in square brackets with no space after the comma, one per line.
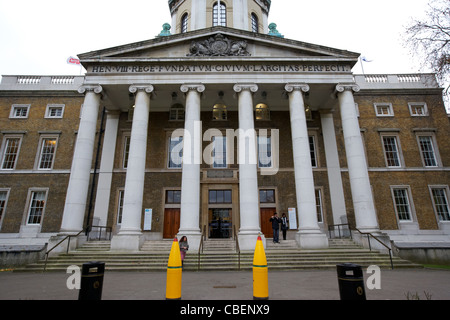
[174,273]
[260,273]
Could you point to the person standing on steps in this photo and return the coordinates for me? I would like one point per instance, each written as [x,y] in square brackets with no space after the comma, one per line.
[284,225]
[184,246]
[276,227]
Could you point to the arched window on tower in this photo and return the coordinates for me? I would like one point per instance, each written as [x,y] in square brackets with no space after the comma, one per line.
[184,23]
[222,15]
[255,23]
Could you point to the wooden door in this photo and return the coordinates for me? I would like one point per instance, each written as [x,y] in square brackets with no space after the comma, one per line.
[266,225]
[171,222]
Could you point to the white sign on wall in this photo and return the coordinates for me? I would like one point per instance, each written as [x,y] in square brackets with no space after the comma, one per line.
[148,219]
[292,218]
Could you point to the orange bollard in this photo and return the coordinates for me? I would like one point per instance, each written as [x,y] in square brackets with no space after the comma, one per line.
[174,273]
[260,273]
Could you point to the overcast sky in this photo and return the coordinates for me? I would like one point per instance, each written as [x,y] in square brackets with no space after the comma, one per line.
[37,37]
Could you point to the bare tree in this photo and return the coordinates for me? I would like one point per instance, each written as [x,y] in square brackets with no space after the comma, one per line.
[429,40]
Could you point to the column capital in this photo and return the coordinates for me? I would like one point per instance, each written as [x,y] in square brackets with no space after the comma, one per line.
[252,87]
[290,87]
[96,88]
[147,88]
[192,86]
[341,87]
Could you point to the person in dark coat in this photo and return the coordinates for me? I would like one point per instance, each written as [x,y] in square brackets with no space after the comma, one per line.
[276,227]
[284,225]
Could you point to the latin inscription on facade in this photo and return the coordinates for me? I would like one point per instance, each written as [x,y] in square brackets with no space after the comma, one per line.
[220,68]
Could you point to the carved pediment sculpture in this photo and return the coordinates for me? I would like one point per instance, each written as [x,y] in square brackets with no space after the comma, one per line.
[218,45]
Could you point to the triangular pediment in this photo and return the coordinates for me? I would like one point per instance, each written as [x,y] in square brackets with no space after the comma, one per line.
[218,42]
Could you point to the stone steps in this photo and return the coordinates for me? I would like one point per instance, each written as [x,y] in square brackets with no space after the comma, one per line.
[219,256]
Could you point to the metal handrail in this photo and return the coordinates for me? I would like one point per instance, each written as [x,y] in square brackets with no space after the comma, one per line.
[56,245]
[200,247]
[108,229]
[368,234]
[238,250]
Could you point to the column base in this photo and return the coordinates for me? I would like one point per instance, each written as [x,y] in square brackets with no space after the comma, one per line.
[127,242]
[247,240]
[308,240]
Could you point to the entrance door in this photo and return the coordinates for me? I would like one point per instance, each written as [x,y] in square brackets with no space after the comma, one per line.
[171,222]
[266,225]
[220,226]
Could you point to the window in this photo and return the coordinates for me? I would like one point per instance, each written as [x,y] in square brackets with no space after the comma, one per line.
[47,153]
[267,196]
[54,111]
[440,201]
[126,150]
[262,112]
[219,196]
[37,207]
[173,196]
[222,15]
[120,206]
[11,147]
[3,201]
[255,23]
[176,112]
[175,152]
[19,111]
[319,207]
[184,23]
[391,151]
[312,150]
[384,110]
[427,151]
[219,152]
[402,204]
[264,152]
[418,109]
[219,112]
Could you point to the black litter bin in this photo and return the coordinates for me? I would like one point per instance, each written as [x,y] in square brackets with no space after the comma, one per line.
[351,282]
[92,281]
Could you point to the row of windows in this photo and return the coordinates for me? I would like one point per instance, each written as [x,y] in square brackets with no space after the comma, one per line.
[219,20]
[21,111]
[416,109]
[402,199]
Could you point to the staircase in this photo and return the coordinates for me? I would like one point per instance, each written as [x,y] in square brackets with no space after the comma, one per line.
[220,254]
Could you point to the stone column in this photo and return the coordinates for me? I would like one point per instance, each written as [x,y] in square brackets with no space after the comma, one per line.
[366,219]
[129,236]
[309,234]
[77,190]
[190,178]
[106,168]
[248,180]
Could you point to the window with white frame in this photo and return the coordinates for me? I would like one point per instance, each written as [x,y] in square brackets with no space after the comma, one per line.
[3,201]
[255,23]
[319,206]
[126,150]
[440,202]
[37,207]
[312,151]
[219,152]
[391,151]
[223,15]
[384,109]
[47,153]
[402,204]
[264,152]
[54,111]
[19,111]
[120,206]
[175,152]
[10,152]
[427,151]
[418,109]
[184,23]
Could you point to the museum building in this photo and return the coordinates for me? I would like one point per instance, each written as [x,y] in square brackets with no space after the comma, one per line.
[212,127]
